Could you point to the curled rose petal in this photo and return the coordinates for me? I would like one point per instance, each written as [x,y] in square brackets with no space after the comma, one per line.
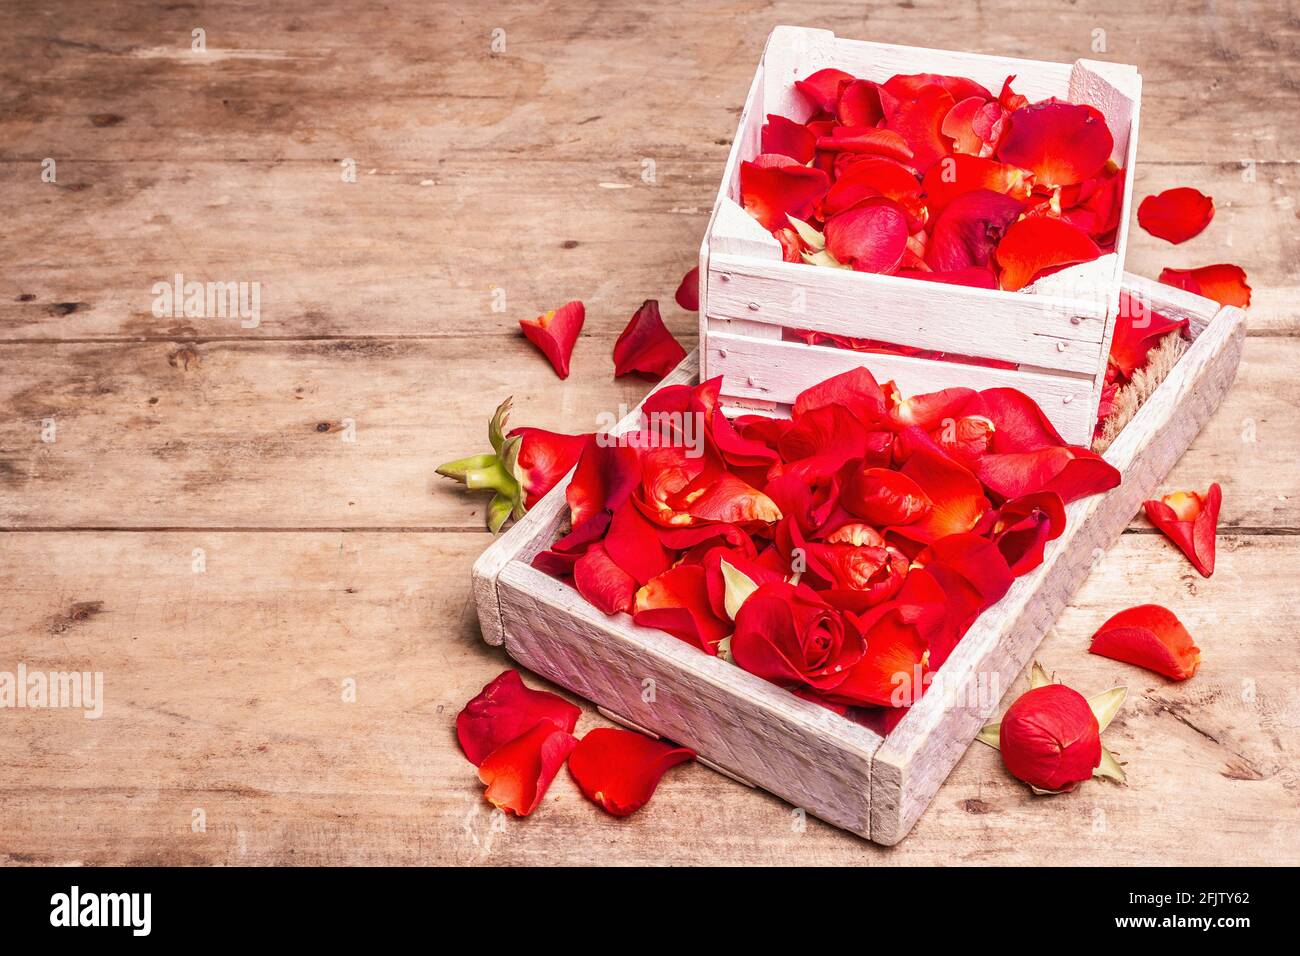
[544,458]
[1068,471]
[907,85]
[857,390]
[822,89]
[1190,521]
[603,583]
[959,124]
[773,193]
[919,121]
[885,497]
[785,137]
[957,497]
[1176,215]
[872,176]
[503,710]
[1037,244]
[1223,282]
[688,290]
[1149,636]
[891,671]
[969,229]
[555,333]
[1050,738]
[519,773]
[976,559]
[677,601]
[646,347]
[1138,329]
[618,770]
[876,142]
[1023,526]
[1060,143]
[788,635]
[870,237]
[605,476]
[859,104]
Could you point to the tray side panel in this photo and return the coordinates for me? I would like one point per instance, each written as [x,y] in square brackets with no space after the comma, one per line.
[803,753]
[918,756]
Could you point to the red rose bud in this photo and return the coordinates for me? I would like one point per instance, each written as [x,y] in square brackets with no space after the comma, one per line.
[1190,521]
[1050,738]
[618,770]
[555,333]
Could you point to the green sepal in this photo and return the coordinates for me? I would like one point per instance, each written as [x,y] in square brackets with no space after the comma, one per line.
[1106,705]
[1038,677]
[991,734]
[1109,768]
[497,427]
[498,510]
[493,476]
[461,467]
[737,588]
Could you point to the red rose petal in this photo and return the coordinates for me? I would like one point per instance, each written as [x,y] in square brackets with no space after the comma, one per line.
[603,583]
[868,177]
[688,291]
[605,476]
[633,544]
[544,458]
[1190,521]
[646,348]
[859,104]
[870,237]
[503,710]
[1223,282]
[1176,215]
[788,138]
[870,141]
[1038,243]
[892,667]
[677,601]
[856,390]
[822,89]
[884,497]
[1149,636]
[555,333]
[1060,143]
[618,770]
[519,773]
[1138,329]
[955,175]
[919,121]
[957,497]
[909,85]
[771,193]
[968,231]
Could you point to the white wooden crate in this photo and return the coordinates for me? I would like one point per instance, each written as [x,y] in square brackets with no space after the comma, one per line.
[1057,331]
[762,735]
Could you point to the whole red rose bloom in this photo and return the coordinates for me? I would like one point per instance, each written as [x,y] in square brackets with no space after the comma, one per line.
[1050,738]
[790,636]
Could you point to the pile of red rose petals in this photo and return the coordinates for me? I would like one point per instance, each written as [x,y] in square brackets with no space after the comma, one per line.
[519,739]
[841,553]
[935,177]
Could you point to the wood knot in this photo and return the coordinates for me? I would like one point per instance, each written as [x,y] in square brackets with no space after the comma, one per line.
[183,358]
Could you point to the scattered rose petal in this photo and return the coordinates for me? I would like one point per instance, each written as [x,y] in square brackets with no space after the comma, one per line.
[618,770]
[519,773]
[1190,521]
[688,291]
[788,138]
[503,710]
[1149,636]
[646,348]
[555,333]
[1223,282]
[1176,215]
[870,237]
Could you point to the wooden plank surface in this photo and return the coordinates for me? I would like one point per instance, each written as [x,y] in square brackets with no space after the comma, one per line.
[524,173]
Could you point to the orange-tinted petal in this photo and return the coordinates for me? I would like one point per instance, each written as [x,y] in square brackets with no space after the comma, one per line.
[618,770]
[1149,636]
[1190,521]
[677,601]
[646,347]
[555,333]
[892,667]
[1222,282]
[788,138]
[957,497]
[519,773]
[1060,143]
[885,497]
[503,710]
[870,237]
[919,120]
[688,290]
[955,175]
[1037,244]
[773,193]
[1176,215]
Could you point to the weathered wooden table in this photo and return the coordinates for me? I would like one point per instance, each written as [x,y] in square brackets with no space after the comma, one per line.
[238,524]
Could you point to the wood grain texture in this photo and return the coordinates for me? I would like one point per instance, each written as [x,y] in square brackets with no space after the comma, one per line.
[228,168]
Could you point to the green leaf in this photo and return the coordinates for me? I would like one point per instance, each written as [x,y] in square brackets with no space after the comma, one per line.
[461,467]
[822,258]
[510,457]
[1109,768]
[1038,677]
[807,233]
[738,588]
[497,427]
[1106,705]
[498,510]
[991,734]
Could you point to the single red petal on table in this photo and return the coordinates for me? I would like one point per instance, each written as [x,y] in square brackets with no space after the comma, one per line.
[1190,521]
[885,497]
[866,140]
[919,120]
[1060,143]
[618,770]
[772,193]
[954,175]
[868,177]
[603,583]
[503,710]
[605,476]
[688,291]
[967,232]
[519,773]
[677,602]
[1176,215]
[822,89]
[870,237]
[1037,244]
[859,104]
[785,137]
[1223,282]
[646,347]
[1149,636]
[1138,328]
[856,389]
[555,333]
[544,458]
